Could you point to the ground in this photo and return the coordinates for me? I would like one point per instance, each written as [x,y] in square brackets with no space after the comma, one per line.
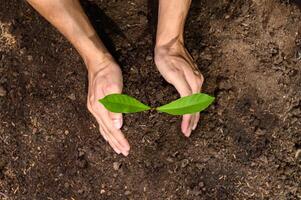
[247,145]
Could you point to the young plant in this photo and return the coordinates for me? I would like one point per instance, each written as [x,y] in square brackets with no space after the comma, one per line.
[121,103]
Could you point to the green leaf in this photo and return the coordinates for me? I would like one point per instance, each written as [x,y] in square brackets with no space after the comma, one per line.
[187,105]
[121,103]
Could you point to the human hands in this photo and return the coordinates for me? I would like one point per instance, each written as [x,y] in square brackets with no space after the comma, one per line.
[105,78]
[178,68]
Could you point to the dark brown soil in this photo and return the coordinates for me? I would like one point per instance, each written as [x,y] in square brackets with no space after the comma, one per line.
[247,146]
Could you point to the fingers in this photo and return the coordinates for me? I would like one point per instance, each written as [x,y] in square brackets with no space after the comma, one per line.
[112,122]
[111,134]
[195,81]
[179,69]
[102,132]
[114,135]
[196,121]
[182,86]
[185,125]
[115,148]
[196,88]
[188,83]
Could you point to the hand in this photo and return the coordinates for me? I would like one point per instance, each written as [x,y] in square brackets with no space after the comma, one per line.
[178,68]
[105,78]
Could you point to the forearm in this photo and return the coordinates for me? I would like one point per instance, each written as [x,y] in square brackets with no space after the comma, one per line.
[69,18]
[171,21]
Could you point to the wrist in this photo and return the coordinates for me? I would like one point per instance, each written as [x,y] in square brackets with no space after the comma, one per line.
[173,45]
[91,49]
[169,41]
[94,53]
[98,62]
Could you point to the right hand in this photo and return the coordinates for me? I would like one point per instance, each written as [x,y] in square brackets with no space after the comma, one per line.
[178,68]
[105,78]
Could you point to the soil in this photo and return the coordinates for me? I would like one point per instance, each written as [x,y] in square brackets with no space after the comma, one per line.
[247,145]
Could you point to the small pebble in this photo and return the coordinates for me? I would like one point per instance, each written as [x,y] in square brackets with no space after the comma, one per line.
[149,58]
[2,92]
[81,152]
[66,185]
[34,131]
[298,154]
[225,85]
[116,165]
[260,132]
[72,97]
[201,184]
[184,163]
[29,58]
[22,51]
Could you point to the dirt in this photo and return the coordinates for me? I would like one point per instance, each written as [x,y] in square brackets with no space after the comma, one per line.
[247,145]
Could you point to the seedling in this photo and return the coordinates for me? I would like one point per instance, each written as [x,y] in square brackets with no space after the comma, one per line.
[121,103]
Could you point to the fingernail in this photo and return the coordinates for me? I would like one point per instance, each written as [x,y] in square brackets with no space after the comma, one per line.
[105,137]
[188,132]
[194,126]
[117,123]
[125,153]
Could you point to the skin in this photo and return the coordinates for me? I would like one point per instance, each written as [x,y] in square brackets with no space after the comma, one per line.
[105,77]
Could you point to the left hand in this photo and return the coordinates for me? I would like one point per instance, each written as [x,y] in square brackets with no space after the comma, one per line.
[178,68]
[105,78]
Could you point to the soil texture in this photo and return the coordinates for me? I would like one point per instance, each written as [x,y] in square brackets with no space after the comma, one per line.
[247,145]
